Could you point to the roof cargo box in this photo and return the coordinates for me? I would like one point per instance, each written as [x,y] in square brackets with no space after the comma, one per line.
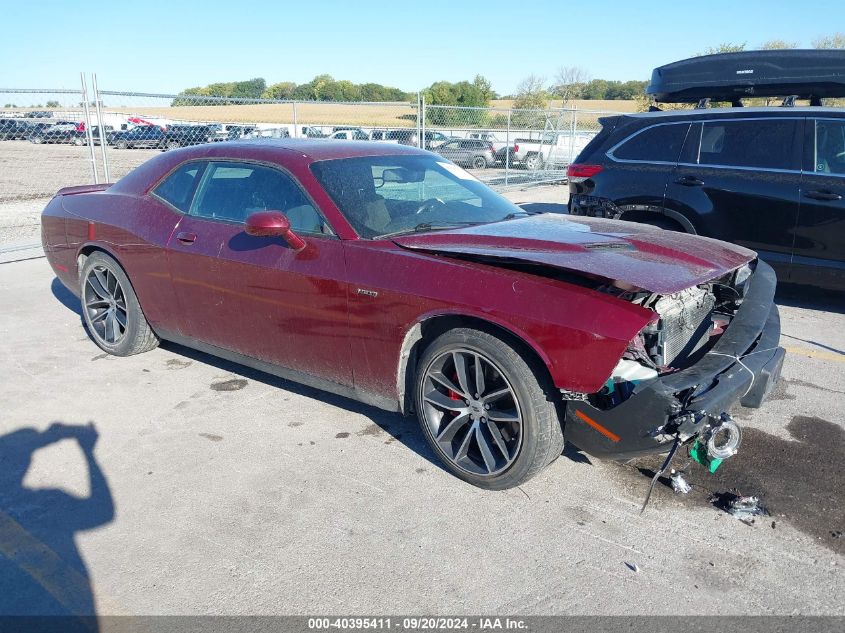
[807,74]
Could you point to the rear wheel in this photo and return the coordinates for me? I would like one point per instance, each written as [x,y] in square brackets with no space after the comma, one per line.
[484,410]
[78,140]
[533,162]
[121,145]
[111,310]
[479,162]
[171,145]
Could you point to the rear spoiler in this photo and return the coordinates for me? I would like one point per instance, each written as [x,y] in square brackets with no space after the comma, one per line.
[69,191]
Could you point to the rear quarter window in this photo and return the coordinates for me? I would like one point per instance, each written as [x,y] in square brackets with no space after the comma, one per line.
[178,188]
[660,143]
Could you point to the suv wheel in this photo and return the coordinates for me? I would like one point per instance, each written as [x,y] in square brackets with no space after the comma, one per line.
[121,144]
[484,410]
[479,162]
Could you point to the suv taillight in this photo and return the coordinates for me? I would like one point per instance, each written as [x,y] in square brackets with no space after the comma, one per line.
[515,148]
[579,172]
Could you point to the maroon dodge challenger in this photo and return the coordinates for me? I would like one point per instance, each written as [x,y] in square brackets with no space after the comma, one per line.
[389,275]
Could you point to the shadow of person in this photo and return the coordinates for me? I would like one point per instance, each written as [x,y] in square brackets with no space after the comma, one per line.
[41,570]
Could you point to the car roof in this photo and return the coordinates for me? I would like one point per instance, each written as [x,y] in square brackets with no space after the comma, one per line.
[741,112]
[321,149]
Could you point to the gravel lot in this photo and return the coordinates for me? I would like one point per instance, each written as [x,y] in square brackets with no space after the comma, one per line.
[235,492]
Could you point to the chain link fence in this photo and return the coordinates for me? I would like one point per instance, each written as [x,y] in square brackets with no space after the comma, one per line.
[55,138]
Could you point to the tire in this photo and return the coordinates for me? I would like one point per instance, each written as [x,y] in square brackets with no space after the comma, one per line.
[479,162]
[37,139]
[79,141]
[533,162]
[122,145]
[454,421]
[104,288]
[171,145]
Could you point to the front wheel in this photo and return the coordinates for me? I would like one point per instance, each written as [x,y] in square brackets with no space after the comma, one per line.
[484,409]
[110,308]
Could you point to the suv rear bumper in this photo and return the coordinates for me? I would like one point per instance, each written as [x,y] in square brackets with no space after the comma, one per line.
[743,366]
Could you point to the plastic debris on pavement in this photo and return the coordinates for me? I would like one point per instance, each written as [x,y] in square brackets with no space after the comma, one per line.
[633,567]
[742,508]
[679,484]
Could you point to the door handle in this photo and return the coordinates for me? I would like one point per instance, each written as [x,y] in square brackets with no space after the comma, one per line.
[185,237]
[822,195]
[689,181]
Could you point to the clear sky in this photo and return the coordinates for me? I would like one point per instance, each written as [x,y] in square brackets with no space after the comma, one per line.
[158,46]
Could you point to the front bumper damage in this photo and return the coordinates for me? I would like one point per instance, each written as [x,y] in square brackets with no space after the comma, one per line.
[743,366]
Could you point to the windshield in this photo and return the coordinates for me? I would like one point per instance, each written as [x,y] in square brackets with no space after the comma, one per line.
[389,195]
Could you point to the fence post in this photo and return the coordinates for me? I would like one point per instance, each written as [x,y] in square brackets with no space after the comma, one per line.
[508,148]
[88,136]
[572,134]
[100,127]
[295,125]
[419,118]
[422,133]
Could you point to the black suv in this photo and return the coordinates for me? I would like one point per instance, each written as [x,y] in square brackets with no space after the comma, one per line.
[771,179]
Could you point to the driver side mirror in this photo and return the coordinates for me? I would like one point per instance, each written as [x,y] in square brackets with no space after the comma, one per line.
[273,224]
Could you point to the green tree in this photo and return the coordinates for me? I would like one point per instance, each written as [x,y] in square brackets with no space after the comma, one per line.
[531,94]
[462,93]
[837,40]
[283,91]
[52,104]
[483,84]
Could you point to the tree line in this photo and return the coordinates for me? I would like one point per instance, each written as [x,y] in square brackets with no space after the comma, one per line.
[321,88]
[533,92]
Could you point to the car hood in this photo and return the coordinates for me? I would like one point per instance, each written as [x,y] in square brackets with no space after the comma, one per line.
[639,255]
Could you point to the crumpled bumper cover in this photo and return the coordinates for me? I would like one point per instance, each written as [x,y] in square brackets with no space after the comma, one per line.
[743,366]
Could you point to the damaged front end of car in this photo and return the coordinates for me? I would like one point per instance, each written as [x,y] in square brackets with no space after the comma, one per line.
[706,348]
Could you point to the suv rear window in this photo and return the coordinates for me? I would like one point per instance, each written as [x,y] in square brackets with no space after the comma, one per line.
[660,143]
[762,143]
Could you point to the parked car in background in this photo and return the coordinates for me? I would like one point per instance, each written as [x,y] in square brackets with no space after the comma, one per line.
[13,129]
[771,179]
[148,136]
[183,135]
[552,150]
[353,134]
[234,132]
[309,131]
[468,152]
[68,132]
[388,275]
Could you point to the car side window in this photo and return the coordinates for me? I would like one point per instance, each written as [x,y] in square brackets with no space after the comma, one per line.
[178,188]
[761,143]
[829,146]
[231,191]
[661,143]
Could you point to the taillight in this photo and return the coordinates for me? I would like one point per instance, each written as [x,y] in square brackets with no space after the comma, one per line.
[579,172]
[515,148]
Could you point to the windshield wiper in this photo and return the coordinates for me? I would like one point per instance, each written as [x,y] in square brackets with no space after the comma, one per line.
[427,226]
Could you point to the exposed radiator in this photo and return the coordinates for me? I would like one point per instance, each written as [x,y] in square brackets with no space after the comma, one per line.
[685,324]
